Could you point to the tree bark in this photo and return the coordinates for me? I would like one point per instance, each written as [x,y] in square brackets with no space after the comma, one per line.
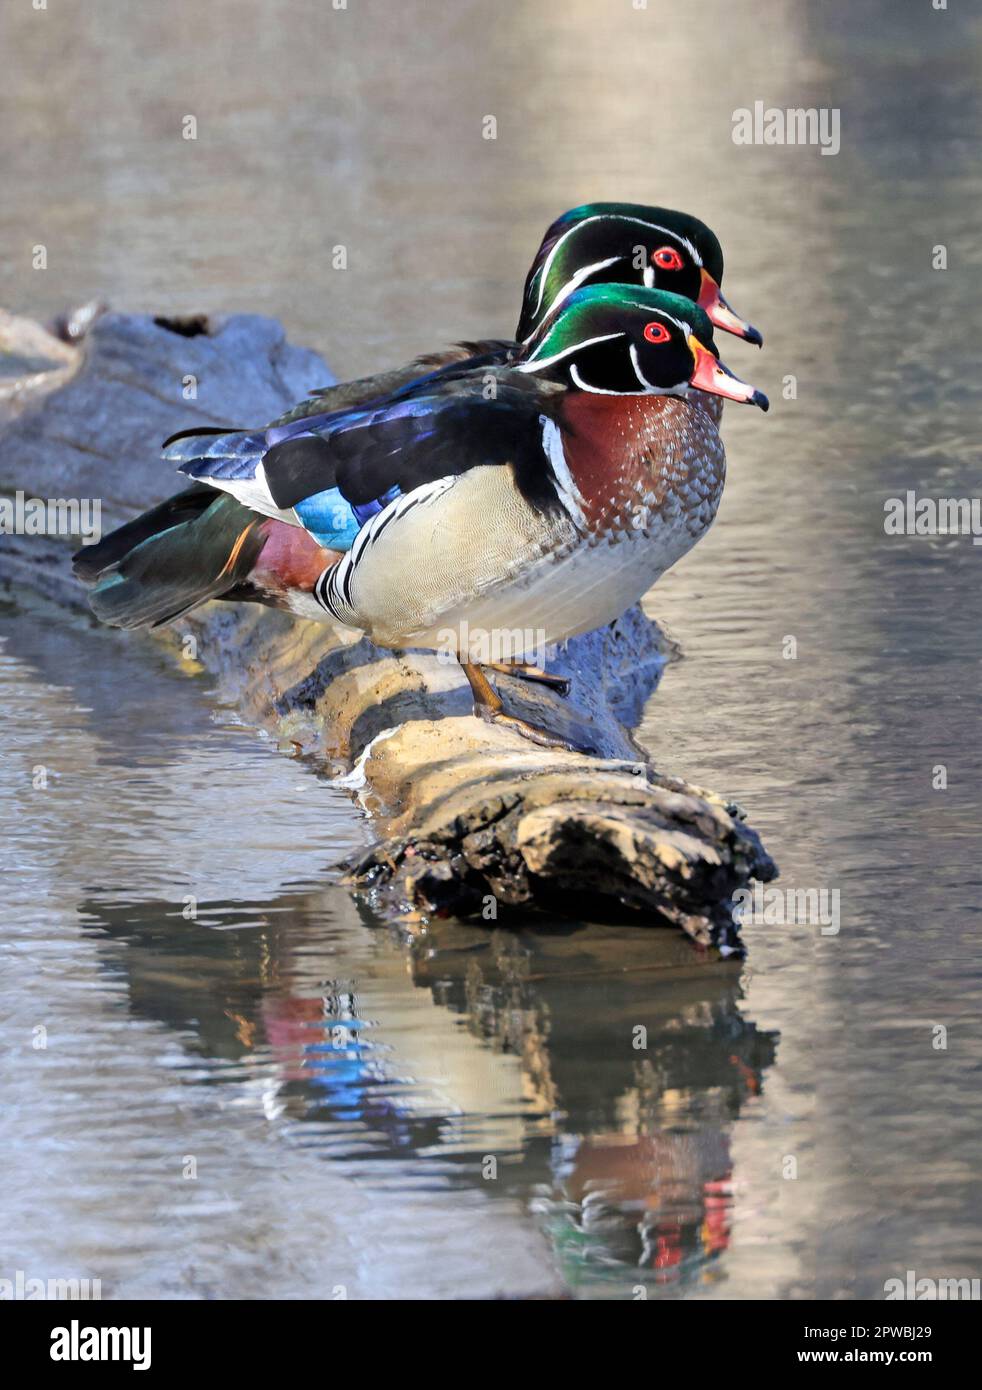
[471,818]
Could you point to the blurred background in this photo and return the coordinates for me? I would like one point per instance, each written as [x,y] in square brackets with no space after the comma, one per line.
[792,1129]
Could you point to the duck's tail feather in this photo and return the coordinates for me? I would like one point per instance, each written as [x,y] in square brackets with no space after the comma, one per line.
[89,562]
[226,454]
[199,545]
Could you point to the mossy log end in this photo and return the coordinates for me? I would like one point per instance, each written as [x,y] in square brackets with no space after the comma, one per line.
[466,813]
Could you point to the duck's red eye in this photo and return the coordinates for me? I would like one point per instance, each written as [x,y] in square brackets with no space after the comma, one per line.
[656,333]
[667,258]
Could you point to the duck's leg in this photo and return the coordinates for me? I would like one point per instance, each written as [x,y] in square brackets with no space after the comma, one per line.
[488,705]
[525,671]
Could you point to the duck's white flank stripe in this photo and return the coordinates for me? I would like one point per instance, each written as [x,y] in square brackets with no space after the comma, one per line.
[333,588]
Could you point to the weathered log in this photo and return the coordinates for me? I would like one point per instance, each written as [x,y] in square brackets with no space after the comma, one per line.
[468,814]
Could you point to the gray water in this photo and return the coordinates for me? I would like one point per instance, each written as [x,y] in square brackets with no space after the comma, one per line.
[336,1086]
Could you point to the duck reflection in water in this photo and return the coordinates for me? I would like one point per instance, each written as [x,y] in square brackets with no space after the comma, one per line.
[591,1072]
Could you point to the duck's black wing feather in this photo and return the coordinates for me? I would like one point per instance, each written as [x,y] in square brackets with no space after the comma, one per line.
[347,395]
[438,427]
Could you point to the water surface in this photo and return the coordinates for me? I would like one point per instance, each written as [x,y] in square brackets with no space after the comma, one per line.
[458,1111]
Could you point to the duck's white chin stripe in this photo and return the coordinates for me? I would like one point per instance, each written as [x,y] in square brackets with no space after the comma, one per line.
[646,390]
[636,364]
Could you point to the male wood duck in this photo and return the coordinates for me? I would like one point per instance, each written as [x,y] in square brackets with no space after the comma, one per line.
[624,243]
[594,244]
[530,500]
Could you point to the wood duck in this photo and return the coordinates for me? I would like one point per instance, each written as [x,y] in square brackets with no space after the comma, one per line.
[624,243]
[486,510]
[621,243]
[594,244]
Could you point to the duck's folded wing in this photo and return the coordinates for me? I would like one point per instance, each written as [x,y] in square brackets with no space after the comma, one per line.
[340,471]
[347,395]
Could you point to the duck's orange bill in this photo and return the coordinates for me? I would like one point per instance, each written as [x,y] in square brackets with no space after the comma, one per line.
[710,375]
[713,304]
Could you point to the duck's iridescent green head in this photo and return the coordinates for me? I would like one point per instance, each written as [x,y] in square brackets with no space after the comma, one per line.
[625,340]
[622,243]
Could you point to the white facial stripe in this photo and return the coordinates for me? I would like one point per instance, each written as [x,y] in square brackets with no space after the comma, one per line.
[609,217]
[677,236]
[552,256]
[582,274]
[679,323]
[533,366]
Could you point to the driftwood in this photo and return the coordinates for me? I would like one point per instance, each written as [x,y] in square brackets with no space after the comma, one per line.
[468,814]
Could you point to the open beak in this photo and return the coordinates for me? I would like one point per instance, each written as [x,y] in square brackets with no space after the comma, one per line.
[710,375]
[711,301]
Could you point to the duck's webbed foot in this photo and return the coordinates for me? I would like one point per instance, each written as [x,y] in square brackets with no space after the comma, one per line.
[526,671]
[488,705]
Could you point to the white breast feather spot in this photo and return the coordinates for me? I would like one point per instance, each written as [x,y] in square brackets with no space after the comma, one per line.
[569,494]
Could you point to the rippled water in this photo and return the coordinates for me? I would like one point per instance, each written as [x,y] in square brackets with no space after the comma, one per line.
[457,1111]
